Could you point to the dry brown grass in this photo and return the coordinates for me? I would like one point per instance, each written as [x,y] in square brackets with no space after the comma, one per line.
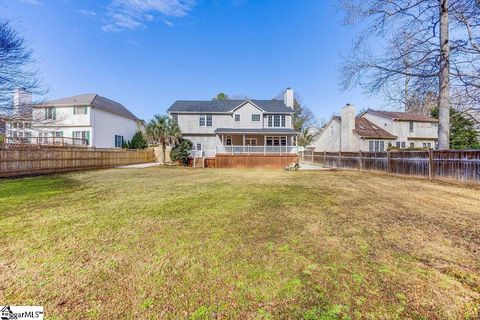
[181,243]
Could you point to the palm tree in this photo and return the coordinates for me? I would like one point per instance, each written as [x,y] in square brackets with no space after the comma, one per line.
[162,130]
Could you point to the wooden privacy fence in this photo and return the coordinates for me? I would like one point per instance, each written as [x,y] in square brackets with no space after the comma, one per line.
[460,165]
[272,161]
[39,160]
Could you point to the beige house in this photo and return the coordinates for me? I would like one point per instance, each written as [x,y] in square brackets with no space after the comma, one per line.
[237,126]
[375,131]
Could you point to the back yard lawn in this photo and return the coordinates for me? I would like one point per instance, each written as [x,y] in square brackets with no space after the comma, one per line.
[199,244]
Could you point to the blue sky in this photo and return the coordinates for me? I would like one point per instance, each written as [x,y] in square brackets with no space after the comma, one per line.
[146,54]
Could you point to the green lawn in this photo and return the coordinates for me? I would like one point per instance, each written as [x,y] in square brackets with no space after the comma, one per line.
[175,243]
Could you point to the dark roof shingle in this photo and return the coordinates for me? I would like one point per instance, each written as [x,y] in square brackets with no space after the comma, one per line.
[366,129]
[226,106]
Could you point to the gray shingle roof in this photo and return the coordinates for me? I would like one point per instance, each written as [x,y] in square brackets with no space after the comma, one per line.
[94,100]
[227,106]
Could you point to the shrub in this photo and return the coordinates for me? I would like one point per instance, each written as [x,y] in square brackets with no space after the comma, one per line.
[138,142]
[181,151]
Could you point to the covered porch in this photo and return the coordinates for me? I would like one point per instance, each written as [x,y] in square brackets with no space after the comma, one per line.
[256,141]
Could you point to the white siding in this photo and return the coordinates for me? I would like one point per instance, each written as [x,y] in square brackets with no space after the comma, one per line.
[106,125]
[64,117]
[329,139]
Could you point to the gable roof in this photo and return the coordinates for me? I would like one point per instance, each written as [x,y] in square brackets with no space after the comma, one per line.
[367,129]
[226,106]
[401,116]
[94,100]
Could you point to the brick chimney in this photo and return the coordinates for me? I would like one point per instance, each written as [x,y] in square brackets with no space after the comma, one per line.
[347,127]
[288,97]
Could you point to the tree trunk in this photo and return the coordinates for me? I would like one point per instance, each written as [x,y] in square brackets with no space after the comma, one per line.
[164,149]
[444,85]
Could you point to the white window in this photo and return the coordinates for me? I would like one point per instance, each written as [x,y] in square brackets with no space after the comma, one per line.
[376,146]
[205,120]
[251,141]
[429,145]
[255,117]
[199,147]
[412,145]
[80,110]
[81,137]
[50,113]
[58,134]
[175,118]
[276,120]
[270,121]
[237,117]
[228,140]
[283,121]
[332,130]
[397,144]
[410,126]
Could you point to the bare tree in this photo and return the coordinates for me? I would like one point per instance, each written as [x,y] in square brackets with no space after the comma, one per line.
[432,49]
[16,73]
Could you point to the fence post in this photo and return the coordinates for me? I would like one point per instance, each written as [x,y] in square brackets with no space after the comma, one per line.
[388,162]
[360,164]
[430,164]
[324,158]
[339,159]
[303,155]
[312,155]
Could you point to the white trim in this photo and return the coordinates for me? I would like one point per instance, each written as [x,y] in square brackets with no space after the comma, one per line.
[245,102]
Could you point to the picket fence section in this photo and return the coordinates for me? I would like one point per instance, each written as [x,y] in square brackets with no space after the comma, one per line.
[460,165]
[30,160]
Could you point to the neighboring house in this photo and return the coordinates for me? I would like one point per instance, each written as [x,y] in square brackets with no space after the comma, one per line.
[237,126]
[18,128]
[85,119]
[374,131]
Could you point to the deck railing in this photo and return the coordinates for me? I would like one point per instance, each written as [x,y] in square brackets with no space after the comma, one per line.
[50,141]
[245,150]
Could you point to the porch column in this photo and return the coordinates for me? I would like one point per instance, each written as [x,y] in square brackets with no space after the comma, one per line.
[243,148]
[264,145]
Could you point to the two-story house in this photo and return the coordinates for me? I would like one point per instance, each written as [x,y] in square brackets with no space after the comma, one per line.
[375,131]
[237,126]
[84,119]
